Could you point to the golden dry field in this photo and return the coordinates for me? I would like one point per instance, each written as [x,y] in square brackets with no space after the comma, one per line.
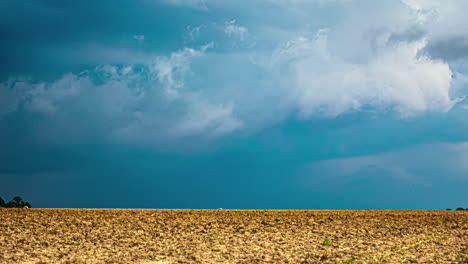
[232,236]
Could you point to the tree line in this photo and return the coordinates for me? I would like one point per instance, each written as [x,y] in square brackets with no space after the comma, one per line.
[16,202]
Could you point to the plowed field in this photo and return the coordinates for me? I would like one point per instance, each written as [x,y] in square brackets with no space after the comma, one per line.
[232,236]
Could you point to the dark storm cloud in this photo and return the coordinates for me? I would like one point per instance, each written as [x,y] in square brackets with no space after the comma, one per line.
[411,34]
[448,49]
[45,38]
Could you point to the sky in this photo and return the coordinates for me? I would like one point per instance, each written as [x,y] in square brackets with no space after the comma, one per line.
[272,104]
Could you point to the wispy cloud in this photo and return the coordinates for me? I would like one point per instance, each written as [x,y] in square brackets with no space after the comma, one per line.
[232,29]
[418,165]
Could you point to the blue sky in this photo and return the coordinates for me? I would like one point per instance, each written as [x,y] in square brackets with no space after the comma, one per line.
[340,104]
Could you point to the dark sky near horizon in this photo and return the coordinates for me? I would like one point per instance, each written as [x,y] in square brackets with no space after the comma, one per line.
[281,104]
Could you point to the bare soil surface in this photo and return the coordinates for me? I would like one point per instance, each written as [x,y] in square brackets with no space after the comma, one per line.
[232,236]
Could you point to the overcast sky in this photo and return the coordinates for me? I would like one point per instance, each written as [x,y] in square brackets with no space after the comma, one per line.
[312,104]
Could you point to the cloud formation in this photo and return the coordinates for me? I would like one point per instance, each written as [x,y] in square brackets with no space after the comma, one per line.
[307,67]
[148,102]
[420,165]
[394,78]
[232,29]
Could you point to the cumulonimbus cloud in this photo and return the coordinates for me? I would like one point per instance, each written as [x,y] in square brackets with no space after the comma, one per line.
[213,90]
[396,78]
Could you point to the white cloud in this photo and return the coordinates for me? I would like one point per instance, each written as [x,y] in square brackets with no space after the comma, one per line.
[193,32]
[170,70]
[217,118]
[445,21]
[313,64]
[396,77]
[144,103]
[45,98]
[233,30]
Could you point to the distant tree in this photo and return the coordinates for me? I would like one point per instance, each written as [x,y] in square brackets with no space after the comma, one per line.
[460,209]
[448,209]
[16,202]
[18,199]
[11,204]
[20,203]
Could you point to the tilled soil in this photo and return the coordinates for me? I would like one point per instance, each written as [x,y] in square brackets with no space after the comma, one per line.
[232,236]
